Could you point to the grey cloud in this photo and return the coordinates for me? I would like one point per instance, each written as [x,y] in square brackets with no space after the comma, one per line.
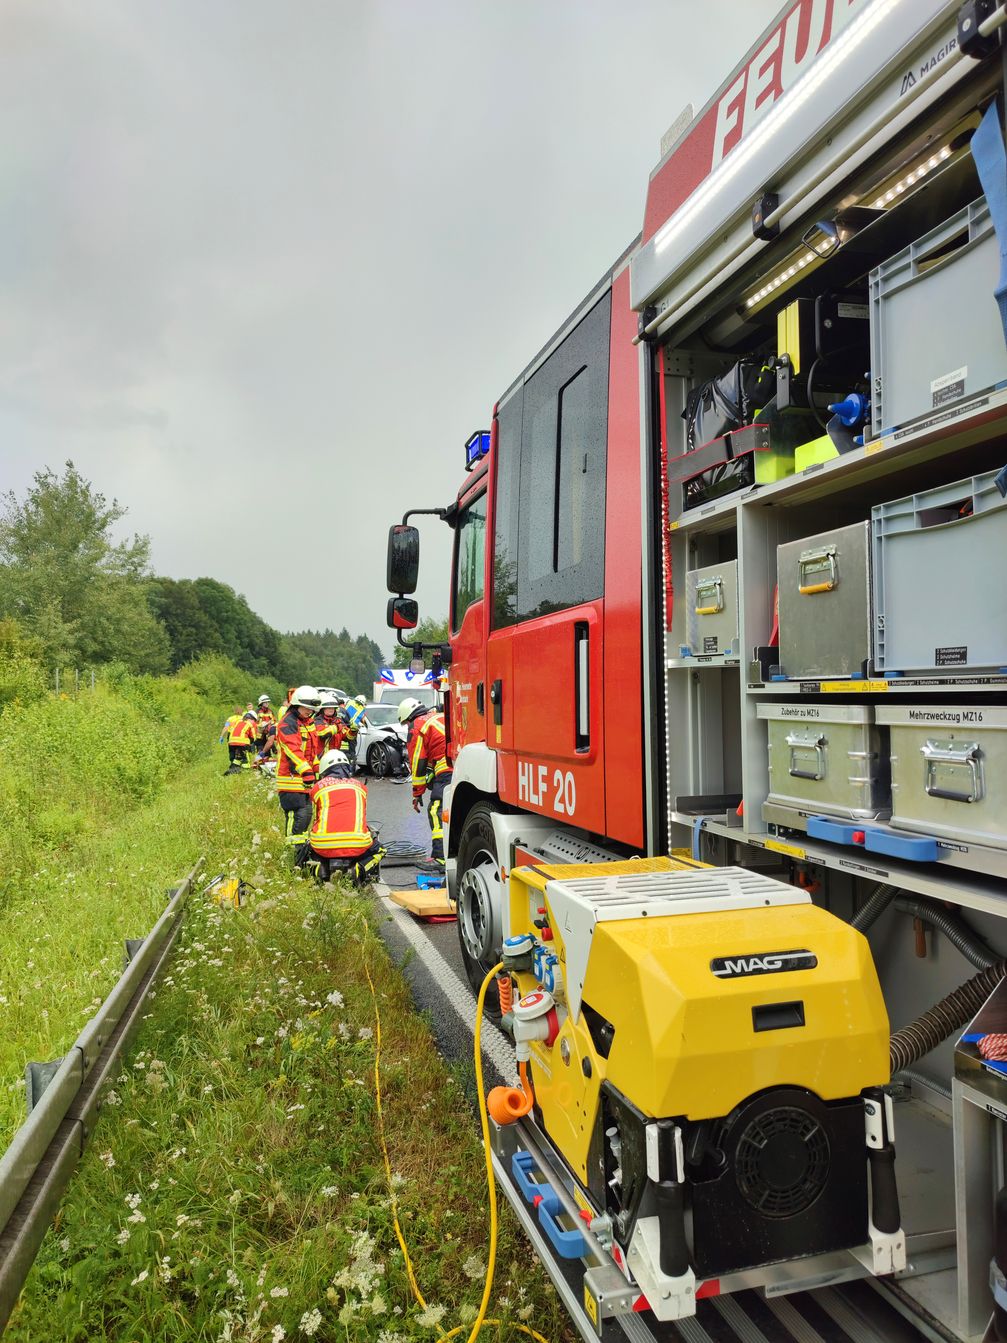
[264,265]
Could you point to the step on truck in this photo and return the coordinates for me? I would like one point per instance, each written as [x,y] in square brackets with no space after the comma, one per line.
[728,702]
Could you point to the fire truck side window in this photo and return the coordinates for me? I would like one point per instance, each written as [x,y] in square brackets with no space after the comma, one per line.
[470,560]
[561,531]
[508,469]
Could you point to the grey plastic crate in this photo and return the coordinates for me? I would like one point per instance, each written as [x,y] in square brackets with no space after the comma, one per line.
[936,335]
[940,593]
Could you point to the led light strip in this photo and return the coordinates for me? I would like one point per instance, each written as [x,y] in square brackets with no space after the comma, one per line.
[919,171]
[781,278]
[785,107]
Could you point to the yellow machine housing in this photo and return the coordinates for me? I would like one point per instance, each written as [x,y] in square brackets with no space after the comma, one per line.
[700,994]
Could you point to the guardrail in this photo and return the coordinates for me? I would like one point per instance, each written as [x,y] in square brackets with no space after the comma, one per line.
[64,1099]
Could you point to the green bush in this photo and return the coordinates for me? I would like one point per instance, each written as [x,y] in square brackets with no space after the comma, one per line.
[75,765]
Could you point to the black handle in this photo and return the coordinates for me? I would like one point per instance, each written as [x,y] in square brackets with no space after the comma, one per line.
[480,698]
[496,699]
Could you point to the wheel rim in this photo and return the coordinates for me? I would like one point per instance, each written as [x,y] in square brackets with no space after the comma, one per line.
[379,762]
[478,908]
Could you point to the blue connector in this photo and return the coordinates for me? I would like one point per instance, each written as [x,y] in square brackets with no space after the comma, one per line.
[852,410]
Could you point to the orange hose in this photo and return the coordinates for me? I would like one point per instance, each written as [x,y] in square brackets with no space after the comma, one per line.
[505,987]
[506,1104]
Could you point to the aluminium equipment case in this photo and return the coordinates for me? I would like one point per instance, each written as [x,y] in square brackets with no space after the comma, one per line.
[940,597]
[712,611]
[919,364]
[824,586]
[949,771]
[827,760]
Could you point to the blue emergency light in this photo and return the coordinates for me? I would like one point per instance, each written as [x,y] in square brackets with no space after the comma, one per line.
[477,445]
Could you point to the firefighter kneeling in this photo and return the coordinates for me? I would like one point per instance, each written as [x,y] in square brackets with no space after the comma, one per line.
[340,840]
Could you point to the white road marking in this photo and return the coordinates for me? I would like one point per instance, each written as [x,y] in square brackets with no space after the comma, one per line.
[496,1046]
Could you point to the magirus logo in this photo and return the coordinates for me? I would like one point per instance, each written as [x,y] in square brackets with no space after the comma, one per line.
[764,963]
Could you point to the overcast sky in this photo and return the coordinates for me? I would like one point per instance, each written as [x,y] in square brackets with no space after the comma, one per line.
[266,263]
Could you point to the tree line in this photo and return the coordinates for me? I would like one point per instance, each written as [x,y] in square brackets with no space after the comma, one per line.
[71,596]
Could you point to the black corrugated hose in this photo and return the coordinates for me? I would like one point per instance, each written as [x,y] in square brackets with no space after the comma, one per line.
[880,898]
[949,1015]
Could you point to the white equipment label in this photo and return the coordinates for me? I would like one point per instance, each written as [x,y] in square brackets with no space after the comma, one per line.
[949,387]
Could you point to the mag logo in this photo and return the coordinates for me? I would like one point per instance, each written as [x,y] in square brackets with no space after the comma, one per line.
[763,963]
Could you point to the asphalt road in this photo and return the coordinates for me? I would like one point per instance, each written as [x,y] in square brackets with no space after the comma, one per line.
[390,803]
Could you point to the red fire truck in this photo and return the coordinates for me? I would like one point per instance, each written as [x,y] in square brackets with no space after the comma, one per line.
[718,584]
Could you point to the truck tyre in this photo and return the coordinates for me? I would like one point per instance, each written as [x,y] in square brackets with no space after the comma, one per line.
[480,896]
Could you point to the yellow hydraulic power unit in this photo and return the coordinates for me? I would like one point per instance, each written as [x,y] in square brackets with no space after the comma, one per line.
[707,1051]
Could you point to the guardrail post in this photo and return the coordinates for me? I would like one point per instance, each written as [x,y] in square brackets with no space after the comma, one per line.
[37,1077]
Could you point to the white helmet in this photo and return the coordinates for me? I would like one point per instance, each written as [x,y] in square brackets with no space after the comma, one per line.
[361,701]
[407,707]
[263,699]
[326,700]
[304,697]
[250,713]
[332,758]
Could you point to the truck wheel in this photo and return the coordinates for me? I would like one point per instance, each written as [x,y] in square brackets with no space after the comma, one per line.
[480,896]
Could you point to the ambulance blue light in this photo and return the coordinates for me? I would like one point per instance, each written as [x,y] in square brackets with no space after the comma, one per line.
[476,447]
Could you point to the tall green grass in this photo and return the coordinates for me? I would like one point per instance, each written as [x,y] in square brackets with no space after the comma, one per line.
[105,799]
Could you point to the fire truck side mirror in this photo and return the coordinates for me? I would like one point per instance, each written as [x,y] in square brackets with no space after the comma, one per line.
[403,558]
[445,655]
[403,613]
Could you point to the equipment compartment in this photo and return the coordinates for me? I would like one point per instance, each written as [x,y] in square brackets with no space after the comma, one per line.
[827,759]
[940,600]
[825,603]
[932,344]
[949,771]
[712,611]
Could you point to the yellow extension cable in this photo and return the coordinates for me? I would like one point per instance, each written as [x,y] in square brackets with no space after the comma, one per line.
[480,1319]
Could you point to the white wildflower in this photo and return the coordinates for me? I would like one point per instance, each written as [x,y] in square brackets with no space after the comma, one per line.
[123,1236]
[132,1200]
[279,1291]
[431,1317]
[64,1244]
[474,1267]
[113,1098]
[311,1321]
[329,1191]
[334,999]
[365,1032]
[279,1333]
[107,1158]
[136,1217]
[140,1277]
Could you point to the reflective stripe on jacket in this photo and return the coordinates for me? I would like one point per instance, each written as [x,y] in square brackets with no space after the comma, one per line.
[331,733]
[242,733]
[297,753]
[339,818]
[428,750]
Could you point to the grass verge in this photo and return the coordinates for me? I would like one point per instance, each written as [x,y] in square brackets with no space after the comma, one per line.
[62,928]
[234,1189]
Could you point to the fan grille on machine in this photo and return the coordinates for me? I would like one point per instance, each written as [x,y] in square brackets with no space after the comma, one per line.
[782,1161]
